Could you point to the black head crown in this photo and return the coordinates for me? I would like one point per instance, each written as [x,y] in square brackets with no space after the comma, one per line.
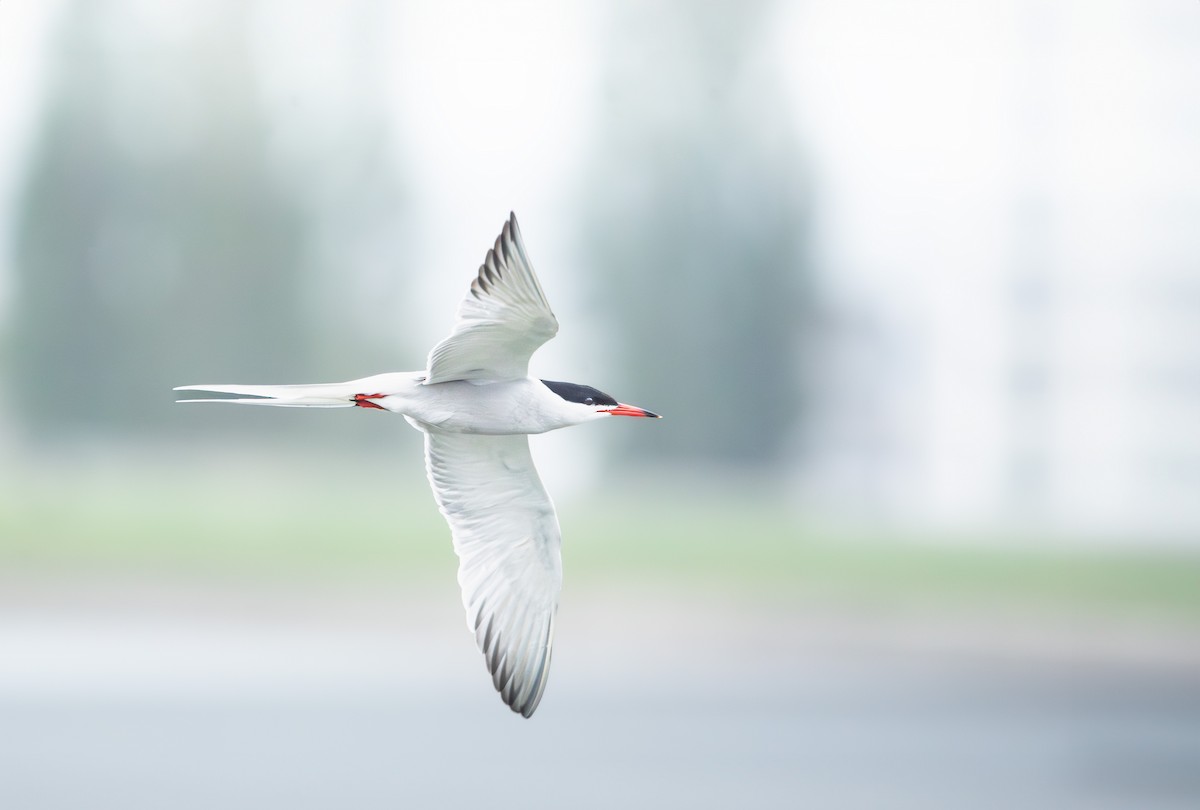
[583,394]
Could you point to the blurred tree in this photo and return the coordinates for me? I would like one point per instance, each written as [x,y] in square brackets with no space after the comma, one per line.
[154,232]
[333,117]
[698,229]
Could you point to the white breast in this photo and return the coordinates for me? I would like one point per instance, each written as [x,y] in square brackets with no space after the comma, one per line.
[497,408]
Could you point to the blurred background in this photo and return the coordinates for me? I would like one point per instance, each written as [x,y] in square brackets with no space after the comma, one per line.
[916,286]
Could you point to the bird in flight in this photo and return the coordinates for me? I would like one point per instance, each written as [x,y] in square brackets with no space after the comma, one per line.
[476,404]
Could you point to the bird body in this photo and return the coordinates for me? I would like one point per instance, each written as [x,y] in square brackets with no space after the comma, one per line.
[476,403]
[494,408]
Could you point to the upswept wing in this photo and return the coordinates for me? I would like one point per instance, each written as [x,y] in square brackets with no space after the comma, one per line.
[507,539]
[502,321]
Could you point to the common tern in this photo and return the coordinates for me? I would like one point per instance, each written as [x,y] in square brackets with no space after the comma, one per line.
[476,404]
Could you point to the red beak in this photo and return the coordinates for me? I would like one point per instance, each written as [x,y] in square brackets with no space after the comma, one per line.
[630,410]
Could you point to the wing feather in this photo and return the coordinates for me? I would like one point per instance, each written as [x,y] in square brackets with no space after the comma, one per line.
[508,543]
[502,321]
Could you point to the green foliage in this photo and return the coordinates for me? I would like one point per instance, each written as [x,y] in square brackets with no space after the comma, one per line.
[334,523]
[147,248]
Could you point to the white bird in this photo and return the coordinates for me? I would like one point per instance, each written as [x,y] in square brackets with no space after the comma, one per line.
[475,402]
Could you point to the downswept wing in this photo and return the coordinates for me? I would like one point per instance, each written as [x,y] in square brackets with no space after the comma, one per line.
[502,321]
[507,539]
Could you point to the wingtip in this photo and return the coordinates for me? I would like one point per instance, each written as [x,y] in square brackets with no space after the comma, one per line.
[525,707]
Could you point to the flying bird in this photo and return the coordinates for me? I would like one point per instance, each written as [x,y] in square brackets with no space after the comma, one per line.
[476,404]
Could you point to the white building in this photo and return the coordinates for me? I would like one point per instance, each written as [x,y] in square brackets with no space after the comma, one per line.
[1011,242]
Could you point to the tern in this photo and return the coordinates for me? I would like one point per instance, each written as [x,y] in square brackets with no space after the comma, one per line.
[476,404]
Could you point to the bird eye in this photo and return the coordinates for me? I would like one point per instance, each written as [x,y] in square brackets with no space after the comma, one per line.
[589,401]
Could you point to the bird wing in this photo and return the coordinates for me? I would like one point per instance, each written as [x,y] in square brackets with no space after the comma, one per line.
[502,321]
[507,539]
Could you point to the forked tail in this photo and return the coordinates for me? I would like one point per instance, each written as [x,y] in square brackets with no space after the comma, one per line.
[321,395]
[367,392]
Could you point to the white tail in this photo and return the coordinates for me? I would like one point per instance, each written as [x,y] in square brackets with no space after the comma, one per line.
[361,392]
[321,395]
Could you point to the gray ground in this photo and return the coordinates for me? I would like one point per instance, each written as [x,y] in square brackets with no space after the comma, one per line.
[212,699]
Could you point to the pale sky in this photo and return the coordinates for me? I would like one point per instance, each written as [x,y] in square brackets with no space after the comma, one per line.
[925,126]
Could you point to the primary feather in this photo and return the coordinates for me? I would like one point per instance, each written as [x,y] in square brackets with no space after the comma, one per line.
[502,321]
[507,539]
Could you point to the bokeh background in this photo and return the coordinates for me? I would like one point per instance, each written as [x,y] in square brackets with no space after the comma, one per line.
[916,286]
